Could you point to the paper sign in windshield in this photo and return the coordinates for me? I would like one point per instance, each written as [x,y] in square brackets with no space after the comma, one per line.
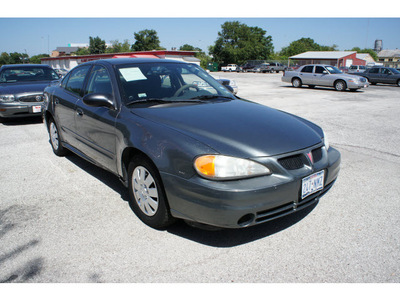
[132,74]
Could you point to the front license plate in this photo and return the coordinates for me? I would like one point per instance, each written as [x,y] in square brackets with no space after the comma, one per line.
[312,184]
[36,109]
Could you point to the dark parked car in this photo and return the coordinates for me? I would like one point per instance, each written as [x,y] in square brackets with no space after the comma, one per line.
[382,75]
[185,147]
[21,89]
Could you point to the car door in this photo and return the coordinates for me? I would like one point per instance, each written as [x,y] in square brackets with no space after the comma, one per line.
[386,75]
[96,125]
[373,75]
[306,75]
[322,76]
[65,98]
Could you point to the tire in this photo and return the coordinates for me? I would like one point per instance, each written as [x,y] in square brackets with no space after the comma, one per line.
[398,82]
[146,194]
[296,82]
[55,139]
[340,85]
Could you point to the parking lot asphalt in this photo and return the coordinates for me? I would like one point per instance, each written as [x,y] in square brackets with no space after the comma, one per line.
[65,220]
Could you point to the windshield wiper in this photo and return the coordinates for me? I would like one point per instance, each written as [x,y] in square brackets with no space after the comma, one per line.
[157,100]
[208,97]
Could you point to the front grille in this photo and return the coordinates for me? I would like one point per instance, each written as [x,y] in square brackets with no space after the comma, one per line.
[294,162]
[31,98]
[298,161]
[317,154]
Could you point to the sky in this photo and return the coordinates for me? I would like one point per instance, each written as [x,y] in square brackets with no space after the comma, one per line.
[38,31]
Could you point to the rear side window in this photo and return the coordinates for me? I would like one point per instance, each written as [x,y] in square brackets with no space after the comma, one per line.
[307,69]
[76,80]
[374,70]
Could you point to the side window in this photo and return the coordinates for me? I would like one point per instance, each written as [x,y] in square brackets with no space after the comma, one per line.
[374,70]
[99,82]
[319,70]
[384,71]
[65,80]
[307,69]
[76,79]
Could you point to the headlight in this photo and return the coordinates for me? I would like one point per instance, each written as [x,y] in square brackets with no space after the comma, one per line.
[7,98]
[220,167]
[326,141]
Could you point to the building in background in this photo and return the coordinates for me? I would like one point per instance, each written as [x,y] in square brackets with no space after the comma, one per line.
[69,62]
[333,58]
[389,58]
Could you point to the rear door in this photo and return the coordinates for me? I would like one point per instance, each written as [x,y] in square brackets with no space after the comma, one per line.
[374,75]
[306,75]
[96,125]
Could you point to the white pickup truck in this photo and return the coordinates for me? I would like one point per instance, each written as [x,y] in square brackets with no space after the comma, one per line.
[229,68]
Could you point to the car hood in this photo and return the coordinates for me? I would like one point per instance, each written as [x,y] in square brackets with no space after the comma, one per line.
[349,76]
[25,87]
[237,128]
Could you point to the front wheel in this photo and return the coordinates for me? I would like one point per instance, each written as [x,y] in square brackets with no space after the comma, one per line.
[340,85]
[55,139]
[146,193]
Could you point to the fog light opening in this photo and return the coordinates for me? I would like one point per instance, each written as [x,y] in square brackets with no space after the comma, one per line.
[246,220]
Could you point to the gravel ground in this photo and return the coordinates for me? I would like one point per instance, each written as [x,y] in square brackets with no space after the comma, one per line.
[65,220]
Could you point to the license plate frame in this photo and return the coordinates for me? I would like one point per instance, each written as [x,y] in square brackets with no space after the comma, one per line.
[312,184]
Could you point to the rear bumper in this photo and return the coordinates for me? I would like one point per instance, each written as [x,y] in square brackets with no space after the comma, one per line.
[242,203]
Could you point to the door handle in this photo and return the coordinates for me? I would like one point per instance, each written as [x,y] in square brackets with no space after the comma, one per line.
[79,112]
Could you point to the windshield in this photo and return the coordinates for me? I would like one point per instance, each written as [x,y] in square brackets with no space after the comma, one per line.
[333,70]
[22,74]
[394,71]
[168,82]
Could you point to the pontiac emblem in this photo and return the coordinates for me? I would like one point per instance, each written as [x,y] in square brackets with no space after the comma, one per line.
[38,98]
[310,157]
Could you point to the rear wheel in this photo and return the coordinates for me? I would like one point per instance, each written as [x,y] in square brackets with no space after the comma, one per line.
[147,195]
[55,139]
[340,85]
[296,82]
[398,82]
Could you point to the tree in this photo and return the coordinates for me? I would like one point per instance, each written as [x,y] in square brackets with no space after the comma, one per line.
[238,43]
[300,46]
[13,58]
[36,58]
[118,47]
[366,50]
[146,40]
[97,45]
[82,51]
[200,54]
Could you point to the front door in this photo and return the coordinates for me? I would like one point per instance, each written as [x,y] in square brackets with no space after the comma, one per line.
[96,125]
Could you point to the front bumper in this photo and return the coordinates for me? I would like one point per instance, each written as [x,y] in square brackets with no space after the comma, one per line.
[20,109]
[357,85]
[242,203]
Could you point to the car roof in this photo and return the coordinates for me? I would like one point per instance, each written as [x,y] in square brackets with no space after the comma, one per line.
[25,65]
[133,60]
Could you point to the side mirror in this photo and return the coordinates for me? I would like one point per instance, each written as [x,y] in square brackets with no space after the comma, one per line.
[325,72]
[98,100]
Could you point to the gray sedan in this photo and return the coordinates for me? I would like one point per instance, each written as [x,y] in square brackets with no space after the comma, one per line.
[324,75]
[187,148]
